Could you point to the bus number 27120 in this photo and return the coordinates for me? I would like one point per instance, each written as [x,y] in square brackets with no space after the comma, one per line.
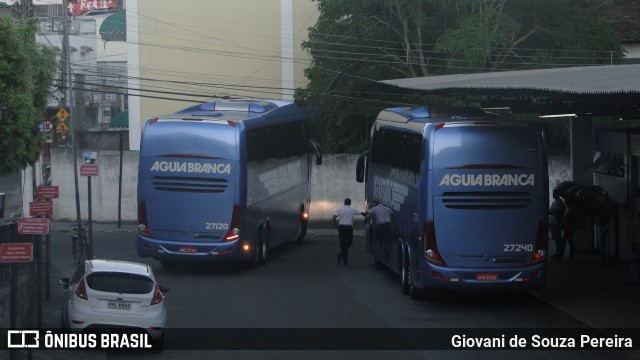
[217,226]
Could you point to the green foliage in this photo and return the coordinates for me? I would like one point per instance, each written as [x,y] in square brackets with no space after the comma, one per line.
[26,73]
[356,43]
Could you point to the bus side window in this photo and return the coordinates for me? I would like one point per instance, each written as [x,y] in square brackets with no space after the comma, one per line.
[407,152]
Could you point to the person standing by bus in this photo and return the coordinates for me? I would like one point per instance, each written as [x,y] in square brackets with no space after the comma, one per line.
[343,220]
[381,218]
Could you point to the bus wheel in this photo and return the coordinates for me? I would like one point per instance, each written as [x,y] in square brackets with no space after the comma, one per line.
[264,245]
[404,272]
[414,292]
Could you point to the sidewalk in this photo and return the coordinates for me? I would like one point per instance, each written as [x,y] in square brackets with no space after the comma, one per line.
[598,292]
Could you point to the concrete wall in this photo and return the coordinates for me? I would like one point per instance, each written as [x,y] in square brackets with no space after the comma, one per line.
[104,188]
[331,183]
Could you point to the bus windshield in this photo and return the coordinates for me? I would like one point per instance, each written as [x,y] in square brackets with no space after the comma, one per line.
[499,145]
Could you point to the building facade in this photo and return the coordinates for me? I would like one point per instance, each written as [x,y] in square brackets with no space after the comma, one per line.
[184,52]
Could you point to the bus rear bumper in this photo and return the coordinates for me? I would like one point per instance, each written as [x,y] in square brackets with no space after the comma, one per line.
[512,278]
[193,251]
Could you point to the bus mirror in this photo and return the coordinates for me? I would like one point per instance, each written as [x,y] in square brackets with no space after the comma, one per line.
[317,150]
[360,166]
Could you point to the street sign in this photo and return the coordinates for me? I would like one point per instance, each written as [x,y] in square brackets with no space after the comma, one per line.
[90,167]
[48,192]
[62,128]
[39,208]
[48,126]
[89,157]
[33,226]
[16,252]
[62,114]
[88,170]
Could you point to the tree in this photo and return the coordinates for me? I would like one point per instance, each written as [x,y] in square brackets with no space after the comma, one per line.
[355,43]
[27,71]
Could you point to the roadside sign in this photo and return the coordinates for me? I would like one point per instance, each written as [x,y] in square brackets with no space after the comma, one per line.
[62,114]
[48,126]
[88,170]
[89,157]
[33,226]
[48,192]
[38,208]
[16,252]
[62,128]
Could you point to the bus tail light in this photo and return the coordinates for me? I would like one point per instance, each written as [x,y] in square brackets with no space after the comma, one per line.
[542,241]
[143,222]
[431,253]
[234,229]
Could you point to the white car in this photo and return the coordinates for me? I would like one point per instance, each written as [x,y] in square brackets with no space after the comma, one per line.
[110,293]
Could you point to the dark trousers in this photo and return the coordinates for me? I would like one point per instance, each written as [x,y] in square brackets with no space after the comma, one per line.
[346,239]
[556,235]
[567,238]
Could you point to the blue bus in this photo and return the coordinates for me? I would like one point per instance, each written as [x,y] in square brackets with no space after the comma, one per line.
[468,196]
[224,180]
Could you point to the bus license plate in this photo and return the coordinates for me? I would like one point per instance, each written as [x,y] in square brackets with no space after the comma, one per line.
[188,250]
[486,276]
[119,305]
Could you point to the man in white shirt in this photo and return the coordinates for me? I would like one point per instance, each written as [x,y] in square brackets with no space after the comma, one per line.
[343,220]
[381,218]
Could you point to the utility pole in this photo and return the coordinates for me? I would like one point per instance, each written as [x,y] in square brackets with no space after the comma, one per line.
[72,116]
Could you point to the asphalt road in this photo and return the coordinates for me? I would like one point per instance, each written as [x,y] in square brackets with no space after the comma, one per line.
[302,287]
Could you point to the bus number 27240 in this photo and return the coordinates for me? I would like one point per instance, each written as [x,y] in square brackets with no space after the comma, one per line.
[517,247]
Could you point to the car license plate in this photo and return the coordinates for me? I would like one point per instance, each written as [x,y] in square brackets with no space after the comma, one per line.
[188,250]
[119,305]
[486,276]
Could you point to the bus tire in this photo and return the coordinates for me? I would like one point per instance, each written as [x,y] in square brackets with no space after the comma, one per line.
[265,239]
[302,233]
[404,271]
[414,292]
[303,226]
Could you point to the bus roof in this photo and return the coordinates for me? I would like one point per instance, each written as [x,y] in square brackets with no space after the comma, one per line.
[234,110]
[425,114]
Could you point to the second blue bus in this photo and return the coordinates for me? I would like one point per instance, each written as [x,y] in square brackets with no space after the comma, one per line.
[224,180]
[468,196]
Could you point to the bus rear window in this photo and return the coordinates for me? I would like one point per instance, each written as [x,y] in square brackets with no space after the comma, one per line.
[466,145]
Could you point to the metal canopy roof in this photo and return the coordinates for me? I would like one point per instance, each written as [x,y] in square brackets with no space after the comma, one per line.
[598,90]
